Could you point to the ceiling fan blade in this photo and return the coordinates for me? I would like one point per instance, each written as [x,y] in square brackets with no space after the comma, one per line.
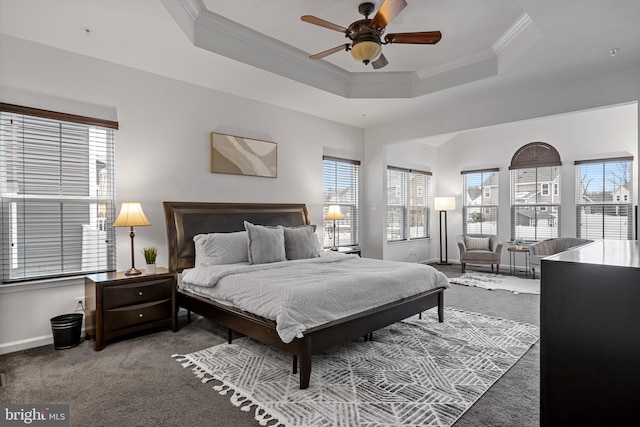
[388,10]
[330,51]
[424,37]
[380,62]
[321,22]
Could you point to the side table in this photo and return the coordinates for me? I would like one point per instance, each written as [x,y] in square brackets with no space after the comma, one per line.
[512,259]
[117,304]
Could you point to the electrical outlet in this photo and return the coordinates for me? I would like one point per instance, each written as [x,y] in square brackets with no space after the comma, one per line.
[80,305]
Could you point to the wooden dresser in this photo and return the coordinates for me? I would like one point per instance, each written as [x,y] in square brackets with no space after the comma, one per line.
[589,337]
[118,305]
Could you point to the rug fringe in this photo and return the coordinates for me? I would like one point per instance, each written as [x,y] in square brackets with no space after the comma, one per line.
[274,413]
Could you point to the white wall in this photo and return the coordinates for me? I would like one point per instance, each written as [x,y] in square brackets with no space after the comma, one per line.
[600,133]
[162,153]
[469,110]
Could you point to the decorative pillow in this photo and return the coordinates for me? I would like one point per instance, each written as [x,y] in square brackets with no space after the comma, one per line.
[221,248]
[477,243]
[266,243]
[301,242]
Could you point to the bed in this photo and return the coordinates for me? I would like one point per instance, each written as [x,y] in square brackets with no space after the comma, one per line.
[184,220]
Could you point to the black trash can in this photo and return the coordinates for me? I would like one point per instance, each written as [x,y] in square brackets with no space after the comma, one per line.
[66,330]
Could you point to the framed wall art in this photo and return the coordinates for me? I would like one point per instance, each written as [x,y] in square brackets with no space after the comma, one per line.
[243,156]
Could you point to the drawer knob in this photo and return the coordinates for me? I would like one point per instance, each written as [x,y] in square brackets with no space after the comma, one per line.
[140,315]
[140,293]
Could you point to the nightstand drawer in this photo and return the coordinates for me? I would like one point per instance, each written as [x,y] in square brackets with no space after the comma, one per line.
[136,293]
[133,315]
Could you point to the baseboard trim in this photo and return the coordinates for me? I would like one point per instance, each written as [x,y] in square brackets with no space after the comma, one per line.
[12,347]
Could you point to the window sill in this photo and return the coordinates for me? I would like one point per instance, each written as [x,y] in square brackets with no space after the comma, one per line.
[35,285]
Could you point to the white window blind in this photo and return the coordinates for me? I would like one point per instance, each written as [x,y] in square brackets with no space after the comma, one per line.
[58,194]
[604,198]
[535,212]
[341,187]
[480,201]
[408,201]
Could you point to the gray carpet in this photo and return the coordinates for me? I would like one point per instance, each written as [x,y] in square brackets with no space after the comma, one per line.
[135,382]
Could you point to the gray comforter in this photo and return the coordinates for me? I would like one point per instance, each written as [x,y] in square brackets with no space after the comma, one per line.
[302,294]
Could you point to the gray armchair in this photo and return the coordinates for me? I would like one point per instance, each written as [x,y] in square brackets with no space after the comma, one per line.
[480,249]
[552,246]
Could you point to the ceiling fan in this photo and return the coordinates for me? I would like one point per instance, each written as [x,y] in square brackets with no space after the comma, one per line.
[366,34]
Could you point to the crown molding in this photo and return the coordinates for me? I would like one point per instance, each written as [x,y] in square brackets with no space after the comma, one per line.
[512,33]
[225,37]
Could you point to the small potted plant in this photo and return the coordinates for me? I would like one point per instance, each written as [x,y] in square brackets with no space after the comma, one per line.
[518,242]
[150,255]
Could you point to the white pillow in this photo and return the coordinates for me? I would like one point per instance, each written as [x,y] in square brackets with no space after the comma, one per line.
[266,243]
[477,243]
[221,248]
[301,242]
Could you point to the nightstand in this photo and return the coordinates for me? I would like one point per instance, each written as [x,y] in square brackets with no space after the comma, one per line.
[118,305]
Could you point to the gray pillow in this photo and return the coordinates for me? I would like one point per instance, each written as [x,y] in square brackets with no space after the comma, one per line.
[266,243]
[301,242]
[221,248]
[477,243]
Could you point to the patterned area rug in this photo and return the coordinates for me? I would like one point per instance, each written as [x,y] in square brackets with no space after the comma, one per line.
[413,373]
[515,284]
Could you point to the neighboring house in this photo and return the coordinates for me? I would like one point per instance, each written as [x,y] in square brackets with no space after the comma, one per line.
[621,194]
[527,218]
[532,190]
[487,194]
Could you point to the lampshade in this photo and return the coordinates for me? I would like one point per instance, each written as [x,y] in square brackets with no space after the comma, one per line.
[131,215]
[366,51]
[334,213]
[446,203]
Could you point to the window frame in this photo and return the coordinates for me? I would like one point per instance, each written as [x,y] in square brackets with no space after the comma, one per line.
[350,210]
[605,229]
[39,213]
[484,208]
[407,205]
[534,158]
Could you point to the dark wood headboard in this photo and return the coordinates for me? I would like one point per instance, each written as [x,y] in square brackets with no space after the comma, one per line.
[187,219]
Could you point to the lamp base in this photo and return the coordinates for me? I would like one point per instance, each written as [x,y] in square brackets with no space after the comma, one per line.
[132,272]
[333,248]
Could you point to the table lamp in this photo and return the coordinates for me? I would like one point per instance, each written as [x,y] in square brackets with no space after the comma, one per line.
[335,215]
[131,215]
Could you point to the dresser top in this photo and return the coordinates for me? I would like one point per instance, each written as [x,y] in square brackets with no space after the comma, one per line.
[119,275]
[623,253]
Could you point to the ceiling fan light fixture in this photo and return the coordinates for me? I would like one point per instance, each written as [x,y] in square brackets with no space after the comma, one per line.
[366,51]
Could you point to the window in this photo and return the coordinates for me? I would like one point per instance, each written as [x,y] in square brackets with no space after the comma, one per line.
[408,199]
[480,201]
[545,189]
[340,178]
[535,209]
[57,186]
[487,192]
[604,194]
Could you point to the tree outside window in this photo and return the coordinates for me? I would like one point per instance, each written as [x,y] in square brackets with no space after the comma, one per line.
[604,198]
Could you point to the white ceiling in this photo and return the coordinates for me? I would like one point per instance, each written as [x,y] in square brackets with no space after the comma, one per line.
[489,47]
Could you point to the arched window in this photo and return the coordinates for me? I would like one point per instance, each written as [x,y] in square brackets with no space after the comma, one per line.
[535,192]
